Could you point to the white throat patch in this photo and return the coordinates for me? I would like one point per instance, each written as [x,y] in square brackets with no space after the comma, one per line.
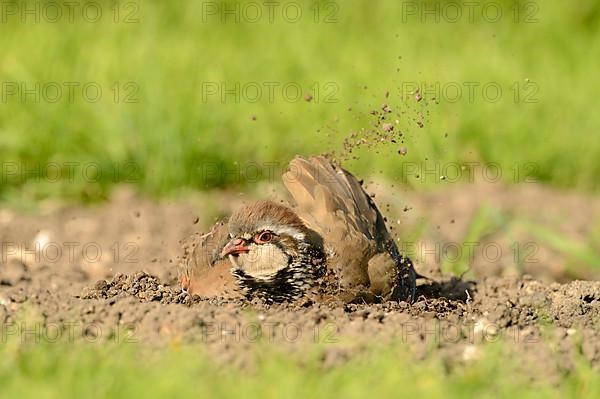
[261,262]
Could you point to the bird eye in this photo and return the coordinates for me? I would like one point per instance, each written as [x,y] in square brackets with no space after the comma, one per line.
[264,237]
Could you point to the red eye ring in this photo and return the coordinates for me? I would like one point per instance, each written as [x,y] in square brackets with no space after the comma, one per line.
[264,237]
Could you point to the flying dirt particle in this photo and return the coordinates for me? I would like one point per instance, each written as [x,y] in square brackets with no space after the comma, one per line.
[253,117]
[308,98]
[418,96]
[387,127]
[137,214]
[42,238]
[452,221]
[445,134]
[386,108]
[442,177]
[403,151]
[196,220]
[387,94]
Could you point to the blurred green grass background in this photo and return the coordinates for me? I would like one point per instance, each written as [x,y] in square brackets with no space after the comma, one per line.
[123,371]
[169,54]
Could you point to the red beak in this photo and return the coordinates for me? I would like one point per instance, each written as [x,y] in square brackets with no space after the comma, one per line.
[234,247]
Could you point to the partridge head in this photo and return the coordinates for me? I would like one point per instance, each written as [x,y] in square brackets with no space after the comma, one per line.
[332,244]
[272,253]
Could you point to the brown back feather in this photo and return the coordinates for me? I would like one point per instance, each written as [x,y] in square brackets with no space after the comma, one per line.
[332,202]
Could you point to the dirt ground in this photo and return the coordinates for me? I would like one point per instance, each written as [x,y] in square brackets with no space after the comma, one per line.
[108,272]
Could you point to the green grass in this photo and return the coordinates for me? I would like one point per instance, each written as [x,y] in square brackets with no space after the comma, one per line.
[581,256]
[162,141]
[486,220]
[125,371]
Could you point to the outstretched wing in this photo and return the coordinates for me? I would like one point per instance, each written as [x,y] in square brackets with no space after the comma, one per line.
[360,249]
[202,271]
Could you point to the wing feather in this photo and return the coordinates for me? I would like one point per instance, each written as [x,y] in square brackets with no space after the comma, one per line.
[360,249]
[203,272]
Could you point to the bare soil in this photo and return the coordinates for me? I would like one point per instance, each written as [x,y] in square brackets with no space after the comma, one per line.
[108,272]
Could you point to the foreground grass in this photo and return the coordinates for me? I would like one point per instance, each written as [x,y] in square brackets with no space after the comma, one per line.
[125,371]
[159,126]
